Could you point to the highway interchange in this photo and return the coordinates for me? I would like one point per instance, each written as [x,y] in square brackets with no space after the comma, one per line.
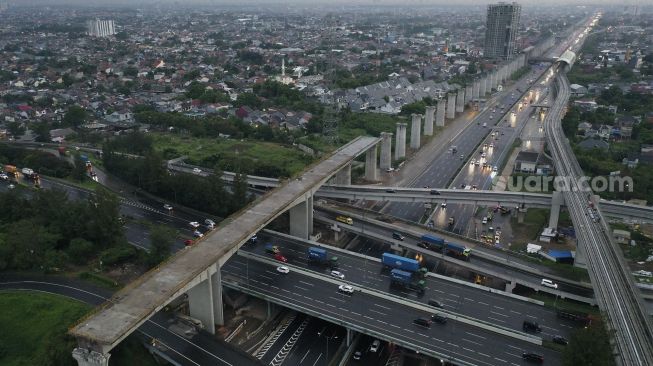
[379,316]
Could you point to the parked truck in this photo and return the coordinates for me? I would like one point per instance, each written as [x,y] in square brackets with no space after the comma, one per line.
[86,161]
[271,248]
[321,256]
[11,170]
[406,280]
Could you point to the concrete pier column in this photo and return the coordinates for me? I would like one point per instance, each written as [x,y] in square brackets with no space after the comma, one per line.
[85,357]
[451,105]
[386,150]
[476,88]
[493,80]
[460,101]
[510,286]
[205,301]
[483,87]
[415,131]
[301,218]
[439,118]
[428,120]
[520,216]
[343,177]
[370,164]
[502,74]
[468,93]
[557,200]
[400,141]
[350,336]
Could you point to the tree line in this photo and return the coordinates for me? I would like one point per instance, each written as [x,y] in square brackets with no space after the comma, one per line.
[150,174]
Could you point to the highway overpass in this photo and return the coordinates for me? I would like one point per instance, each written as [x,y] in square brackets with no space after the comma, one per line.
[196,271]
[474,197]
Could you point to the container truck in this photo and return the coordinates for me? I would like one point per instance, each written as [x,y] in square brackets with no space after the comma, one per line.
[398,262]
[458,250]
[435,243]
[321,256]
[431,240]
[405,279]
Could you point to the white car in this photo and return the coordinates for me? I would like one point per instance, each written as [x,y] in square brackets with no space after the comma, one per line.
[549,283]
[375,346]
[11,186]
[283,269]
[484,221]
[194,224]
[495,168]
[337,274]
[197,234]
[443,205]
[167,207]
[4,176]
[197,170]
[346,289]
[210,223]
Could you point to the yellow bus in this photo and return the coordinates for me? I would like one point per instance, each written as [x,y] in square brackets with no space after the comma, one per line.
[345,219]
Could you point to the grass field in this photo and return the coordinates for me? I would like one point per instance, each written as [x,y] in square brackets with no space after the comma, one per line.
[229,153]
[33,332]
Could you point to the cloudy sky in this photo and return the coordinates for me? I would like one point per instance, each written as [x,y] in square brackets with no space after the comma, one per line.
[307,2]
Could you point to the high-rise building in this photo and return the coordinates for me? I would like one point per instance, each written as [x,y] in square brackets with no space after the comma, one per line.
[100,28]
[501,30]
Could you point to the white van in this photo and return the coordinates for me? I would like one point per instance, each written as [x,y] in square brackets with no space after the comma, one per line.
[549,283]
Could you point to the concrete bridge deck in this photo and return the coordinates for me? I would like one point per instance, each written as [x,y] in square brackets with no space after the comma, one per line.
[134,304]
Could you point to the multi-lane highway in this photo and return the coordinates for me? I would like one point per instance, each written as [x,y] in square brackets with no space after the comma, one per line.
[379,317]
[474,302]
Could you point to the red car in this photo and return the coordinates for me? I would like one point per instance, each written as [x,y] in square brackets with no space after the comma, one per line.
[280,258]
[188,242]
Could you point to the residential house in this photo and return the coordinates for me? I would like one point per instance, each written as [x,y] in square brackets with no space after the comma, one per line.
[577,91]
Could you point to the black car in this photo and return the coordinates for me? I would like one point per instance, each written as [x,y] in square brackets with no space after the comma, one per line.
[440,319]
[390,190]
[560,340]
[357,355]
[422,322]
[530,326]
[435,193]
[435,303]
[532,357]
[398,236]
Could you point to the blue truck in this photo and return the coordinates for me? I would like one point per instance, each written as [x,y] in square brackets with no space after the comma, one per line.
[407,280]
[433,242]
[321,256]
[399,262]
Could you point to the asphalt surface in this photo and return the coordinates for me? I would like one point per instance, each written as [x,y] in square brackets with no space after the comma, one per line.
[377,315]
[444,167]
[458,298]
[201,349]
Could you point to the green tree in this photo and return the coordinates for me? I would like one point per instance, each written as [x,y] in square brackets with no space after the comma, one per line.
[103,222]
[42,131]
[79,169]
[161,240]
[75,116]
[16,129]
[80,250]
[589,346]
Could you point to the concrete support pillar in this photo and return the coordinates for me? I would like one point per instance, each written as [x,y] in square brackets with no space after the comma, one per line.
[400,141]
[476,88]
[85,357]
[301,218]
[483,87]
[580,258]
[460,101]
[370,164]
[557,200]
[269,310]
[428,120]
[350,336]
[205,302]
[439,118]
[493,77]
[451,105]
[415,131]
[502,74]
[510,286]
[343,177]
[386,150]
[468,93]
